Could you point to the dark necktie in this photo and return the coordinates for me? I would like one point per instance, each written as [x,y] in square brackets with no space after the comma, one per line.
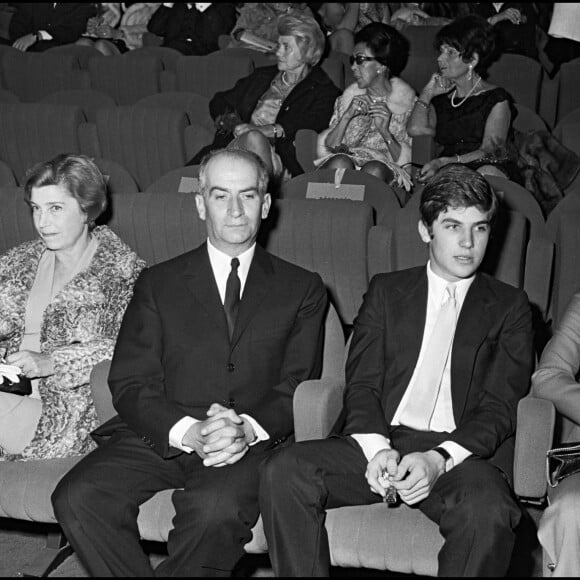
[232,300]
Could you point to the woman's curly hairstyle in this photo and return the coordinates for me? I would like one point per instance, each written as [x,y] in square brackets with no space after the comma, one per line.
[469,35]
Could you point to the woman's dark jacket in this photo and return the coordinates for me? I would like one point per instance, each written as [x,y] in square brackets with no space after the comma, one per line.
[308,106]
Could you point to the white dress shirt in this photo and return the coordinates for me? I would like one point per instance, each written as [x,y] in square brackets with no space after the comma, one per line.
[442,419]
[221,267]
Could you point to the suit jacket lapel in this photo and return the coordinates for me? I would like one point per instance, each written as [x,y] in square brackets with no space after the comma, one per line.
[200,281]
[472,328]
[255,290]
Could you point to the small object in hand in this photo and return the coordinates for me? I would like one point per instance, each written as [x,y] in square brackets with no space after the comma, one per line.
[391,495]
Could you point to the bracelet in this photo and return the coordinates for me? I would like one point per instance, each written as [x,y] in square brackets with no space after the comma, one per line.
[422,103]
[275,131]
[457,158]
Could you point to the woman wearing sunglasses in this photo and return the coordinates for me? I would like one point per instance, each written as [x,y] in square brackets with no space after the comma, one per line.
[368,128]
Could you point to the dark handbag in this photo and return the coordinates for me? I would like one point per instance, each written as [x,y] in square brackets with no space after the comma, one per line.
[21,387]
[562,462]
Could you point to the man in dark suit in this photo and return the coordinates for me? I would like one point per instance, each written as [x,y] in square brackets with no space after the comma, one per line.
[203,384]
[193,28]
[39,26]
[434,428]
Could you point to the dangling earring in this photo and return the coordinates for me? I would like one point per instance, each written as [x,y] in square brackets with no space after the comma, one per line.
[470,73]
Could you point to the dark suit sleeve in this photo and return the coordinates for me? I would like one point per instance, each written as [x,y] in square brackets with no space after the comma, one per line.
[21,22]
[69,23]
[302,361]
[158,22]
[365,367]
[240,97]
[312,111]
[217,20]
[506,379]
[136,378]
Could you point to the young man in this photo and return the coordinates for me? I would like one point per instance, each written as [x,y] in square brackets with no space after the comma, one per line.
[203,382]
[440,357]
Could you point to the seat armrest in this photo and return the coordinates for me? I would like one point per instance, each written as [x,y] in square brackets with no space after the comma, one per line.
[534,436]
[317,405]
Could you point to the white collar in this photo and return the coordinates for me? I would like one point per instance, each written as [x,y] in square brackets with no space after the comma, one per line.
[437,287]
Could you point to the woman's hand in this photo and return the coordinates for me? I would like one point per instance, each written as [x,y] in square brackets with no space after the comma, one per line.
[437,85]
[381,116]
[34,365]
[511,14]
[25,42]
[104,31]
[358,106]
[244,128]
[430,169]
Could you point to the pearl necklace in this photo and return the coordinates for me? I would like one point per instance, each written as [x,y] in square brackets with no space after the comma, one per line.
[465,97]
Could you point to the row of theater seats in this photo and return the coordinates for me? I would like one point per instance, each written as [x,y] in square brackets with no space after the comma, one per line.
[339,239]
[150,70]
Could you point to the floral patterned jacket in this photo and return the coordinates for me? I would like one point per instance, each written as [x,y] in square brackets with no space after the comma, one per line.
[79,329]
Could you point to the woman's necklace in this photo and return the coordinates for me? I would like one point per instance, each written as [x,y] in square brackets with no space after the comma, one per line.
[284,81]
[465,97]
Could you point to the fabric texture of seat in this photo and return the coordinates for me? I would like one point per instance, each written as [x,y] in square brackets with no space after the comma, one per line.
[8,97]
[126,79]
[567,131]
[519,75]
[528,120]
[325,236]
[569,90]
[31,133]
[206,75]
[82,54]
[540,248]
[118,179]
[32,76]
[88,100]
[147,142]
[181,180]
[167,56]
[348,184]
[194,105]
[15,219]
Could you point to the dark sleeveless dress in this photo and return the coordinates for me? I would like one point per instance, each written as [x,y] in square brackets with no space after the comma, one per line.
[460,129]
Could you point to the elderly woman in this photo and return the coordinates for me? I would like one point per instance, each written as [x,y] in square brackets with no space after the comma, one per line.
[62,298]
[470,118]
[368,128]
[264,110]
[556,379]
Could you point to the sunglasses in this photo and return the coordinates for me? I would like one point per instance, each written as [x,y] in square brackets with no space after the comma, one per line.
[360,59]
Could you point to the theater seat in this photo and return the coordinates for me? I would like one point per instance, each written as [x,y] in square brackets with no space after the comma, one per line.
[34,132]
[147,142]
[126,79]
[32,76]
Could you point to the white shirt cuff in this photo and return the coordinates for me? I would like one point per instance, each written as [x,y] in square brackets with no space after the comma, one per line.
[168,4]
[371,443]
[261,434]
[44,35]
[177,432]
[458,453]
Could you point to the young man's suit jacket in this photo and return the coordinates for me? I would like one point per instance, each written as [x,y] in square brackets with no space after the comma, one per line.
[174,356]
[491,362]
